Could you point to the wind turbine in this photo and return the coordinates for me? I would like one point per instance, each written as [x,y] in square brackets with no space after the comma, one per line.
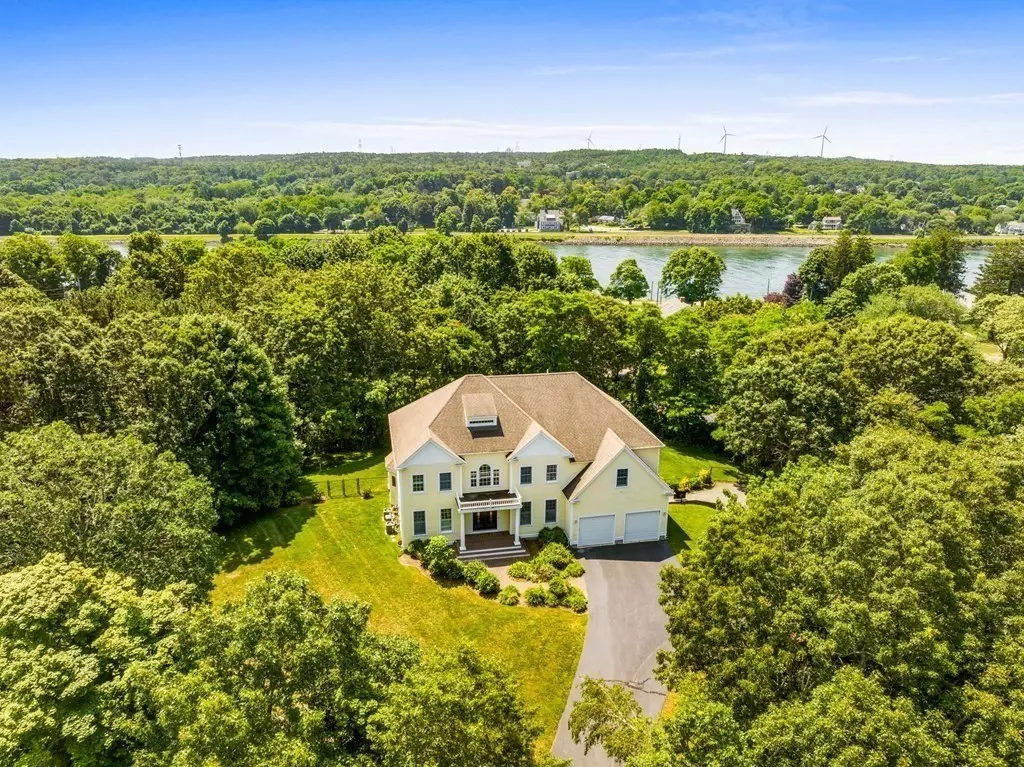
[724,141]
[824,137]
[590,144]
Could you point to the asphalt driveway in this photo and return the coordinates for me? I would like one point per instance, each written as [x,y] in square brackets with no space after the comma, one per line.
[625,630]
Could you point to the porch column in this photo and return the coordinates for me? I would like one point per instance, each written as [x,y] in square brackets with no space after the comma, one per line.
[462,531]
[516,512]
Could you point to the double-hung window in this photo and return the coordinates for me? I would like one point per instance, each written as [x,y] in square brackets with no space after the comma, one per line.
[550,511]
[551,472]
[526,513]
[444,480]
[417,483]
[622,478]
[473,481]
[419,522]
[525,475]
[446,521]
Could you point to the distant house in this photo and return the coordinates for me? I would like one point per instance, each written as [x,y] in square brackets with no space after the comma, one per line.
[524,163]
[831,223]
[1011,227]
[607,220]
[549,221]
[739,223]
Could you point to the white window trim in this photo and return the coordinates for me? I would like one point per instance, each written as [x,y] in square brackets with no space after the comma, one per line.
[521,482]
[450,484]
[490,475]
[412,483]
[425,529]
[473,479]
[555,520]
[617,485]
[440,520]
[550,481]
[526,505]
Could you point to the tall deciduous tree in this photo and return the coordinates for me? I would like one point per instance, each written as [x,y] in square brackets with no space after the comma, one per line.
[454,709]
[1003,271]
[693,274]
[71,643]
[112,503]
[627,281]
[199,387]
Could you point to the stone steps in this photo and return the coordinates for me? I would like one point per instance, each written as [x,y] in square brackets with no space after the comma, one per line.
[493,554]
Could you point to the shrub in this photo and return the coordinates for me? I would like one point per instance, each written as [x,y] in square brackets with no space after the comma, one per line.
[558,587]
[551,600]
[509,596]
[367,494]
[575,600]
[553,535]
[487,583]
[415,548]
[554,554]
[544,571]
[574,570]
[685,485]
[521,571]
[473,570]
[705,478]
[535,596]
[440,560]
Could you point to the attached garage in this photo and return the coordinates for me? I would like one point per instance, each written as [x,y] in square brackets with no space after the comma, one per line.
[597,531]
[642,526]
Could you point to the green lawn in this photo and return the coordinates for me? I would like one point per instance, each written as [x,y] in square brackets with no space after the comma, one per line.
[678,461]
[687,523]
[341,547]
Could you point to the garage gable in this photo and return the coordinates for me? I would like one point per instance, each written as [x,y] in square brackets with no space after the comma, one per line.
[614,455]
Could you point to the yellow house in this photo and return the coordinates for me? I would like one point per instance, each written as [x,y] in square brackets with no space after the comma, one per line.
[489,460]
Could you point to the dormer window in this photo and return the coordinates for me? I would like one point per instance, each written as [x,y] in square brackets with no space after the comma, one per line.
[480,410]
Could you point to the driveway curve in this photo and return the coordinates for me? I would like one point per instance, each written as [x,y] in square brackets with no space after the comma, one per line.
[625,630]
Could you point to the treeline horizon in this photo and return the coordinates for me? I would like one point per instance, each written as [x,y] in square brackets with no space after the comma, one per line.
[461,191]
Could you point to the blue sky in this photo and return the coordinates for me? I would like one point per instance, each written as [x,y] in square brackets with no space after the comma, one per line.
[932,81]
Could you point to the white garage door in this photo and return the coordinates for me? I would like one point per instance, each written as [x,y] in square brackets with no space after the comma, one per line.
[597,531]
[642,526]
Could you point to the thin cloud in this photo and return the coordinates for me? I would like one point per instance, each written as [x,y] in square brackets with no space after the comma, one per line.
[573,69]
[896,59]
[896,99]
[454,126]
[734,50]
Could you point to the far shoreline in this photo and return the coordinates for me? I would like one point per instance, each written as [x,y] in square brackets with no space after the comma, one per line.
[605,237]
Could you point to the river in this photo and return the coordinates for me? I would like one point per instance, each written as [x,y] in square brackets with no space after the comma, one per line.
[749,270]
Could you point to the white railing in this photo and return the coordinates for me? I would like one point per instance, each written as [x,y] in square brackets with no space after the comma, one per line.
[512,501]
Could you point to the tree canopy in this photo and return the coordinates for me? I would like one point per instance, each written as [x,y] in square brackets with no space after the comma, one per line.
[113,503]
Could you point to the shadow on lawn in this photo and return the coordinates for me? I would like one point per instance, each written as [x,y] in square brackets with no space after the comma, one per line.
[345,463]
[259,538]
[678,538]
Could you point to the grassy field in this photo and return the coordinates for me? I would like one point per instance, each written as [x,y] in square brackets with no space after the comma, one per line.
[679,461]
[341,547]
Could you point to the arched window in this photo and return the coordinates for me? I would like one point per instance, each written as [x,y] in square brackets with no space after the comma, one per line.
[484,472]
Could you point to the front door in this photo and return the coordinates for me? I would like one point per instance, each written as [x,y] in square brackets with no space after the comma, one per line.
[485,520]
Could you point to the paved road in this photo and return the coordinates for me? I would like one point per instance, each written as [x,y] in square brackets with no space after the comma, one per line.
[624,632]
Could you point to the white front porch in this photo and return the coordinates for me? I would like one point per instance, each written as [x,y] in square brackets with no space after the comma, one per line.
[479,514]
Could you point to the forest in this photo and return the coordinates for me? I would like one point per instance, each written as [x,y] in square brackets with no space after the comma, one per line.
[654,188]
[865,605]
